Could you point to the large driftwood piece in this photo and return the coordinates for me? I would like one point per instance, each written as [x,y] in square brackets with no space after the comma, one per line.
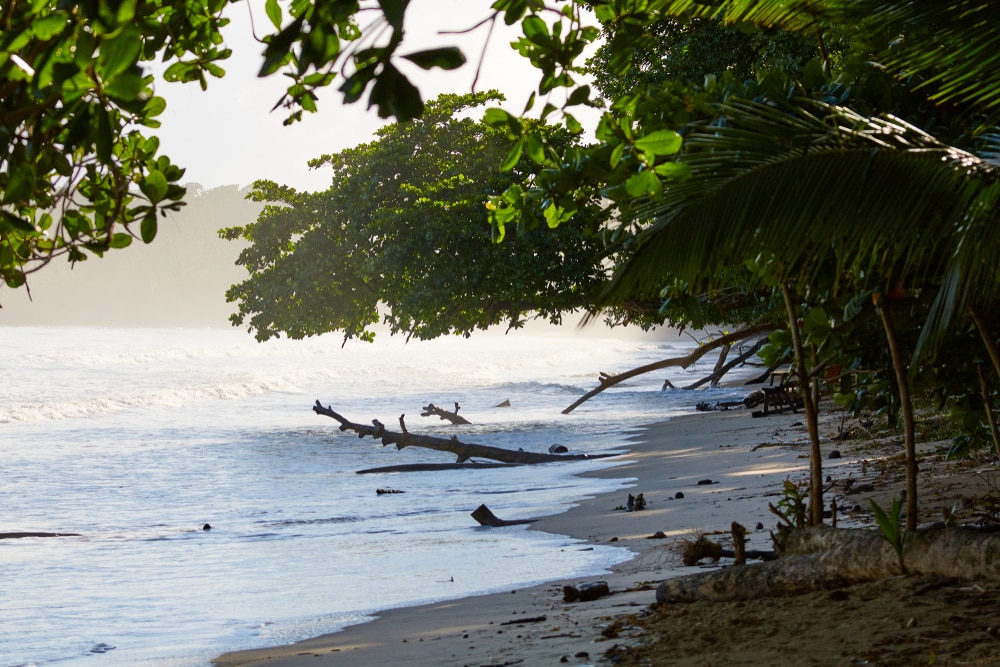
[607,380]
[464,451]
[824,558]
[722,369]
[16,536]
[431,410]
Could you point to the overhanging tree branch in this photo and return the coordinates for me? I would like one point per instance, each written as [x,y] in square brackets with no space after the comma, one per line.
[608,381]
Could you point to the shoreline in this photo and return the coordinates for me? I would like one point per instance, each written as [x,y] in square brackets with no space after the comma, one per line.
[534,624]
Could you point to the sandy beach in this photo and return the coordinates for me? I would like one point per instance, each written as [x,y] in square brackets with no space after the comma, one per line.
[895,622]
[697,473]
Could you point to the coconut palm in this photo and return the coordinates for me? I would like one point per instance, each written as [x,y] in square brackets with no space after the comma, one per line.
[793,182]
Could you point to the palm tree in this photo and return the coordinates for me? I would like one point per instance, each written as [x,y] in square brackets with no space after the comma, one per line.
[793,182]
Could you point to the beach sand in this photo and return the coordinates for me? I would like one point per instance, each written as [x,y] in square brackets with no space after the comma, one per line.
[746,461]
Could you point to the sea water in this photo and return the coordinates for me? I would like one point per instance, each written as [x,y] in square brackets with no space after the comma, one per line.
[136,438]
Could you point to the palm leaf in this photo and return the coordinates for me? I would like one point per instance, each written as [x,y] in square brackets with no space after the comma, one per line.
[951,50]
[794,185]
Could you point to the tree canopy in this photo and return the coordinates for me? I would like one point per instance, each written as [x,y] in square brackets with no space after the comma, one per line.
[401,238]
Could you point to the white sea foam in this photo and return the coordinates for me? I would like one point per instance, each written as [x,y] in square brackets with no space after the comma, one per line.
[136,438]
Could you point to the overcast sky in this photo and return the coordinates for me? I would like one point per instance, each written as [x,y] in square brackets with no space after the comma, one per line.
[228,135]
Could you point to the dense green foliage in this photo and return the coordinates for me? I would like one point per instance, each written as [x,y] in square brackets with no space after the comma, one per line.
[401,238]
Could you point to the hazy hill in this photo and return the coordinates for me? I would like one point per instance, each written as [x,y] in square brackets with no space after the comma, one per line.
[178,280]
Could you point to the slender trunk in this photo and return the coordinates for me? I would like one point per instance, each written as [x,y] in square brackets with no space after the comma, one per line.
[986,335]
[991,347]
[805,391]
[990,417]
[906,409]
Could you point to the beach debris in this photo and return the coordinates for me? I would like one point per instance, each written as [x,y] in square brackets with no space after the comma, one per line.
[102,648]
[694,551]
[485,517]
[503,404]
[431,410]
[207,526]
[464,451]
[558,449]
[19,535]
[383,492]
[586,592]
[705,482]
[635,503]
[678,495]
[658,535]
[533,619]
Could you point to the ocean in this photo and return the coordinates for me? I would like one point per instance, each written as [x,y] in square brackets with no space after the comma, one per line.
[136,438]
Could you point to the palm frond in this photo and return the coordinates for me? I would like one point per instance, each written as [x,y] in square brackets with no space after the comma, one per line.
[950,50]
[796,185]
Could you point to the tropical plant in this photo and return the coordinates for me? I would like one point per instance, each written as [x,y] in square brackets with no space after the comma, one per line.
[794,177]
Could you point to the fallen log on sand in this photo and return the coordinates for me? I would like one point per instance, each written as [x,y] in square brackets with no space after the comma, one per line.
[485,517]
[824,558]
[16,536]
[464,451]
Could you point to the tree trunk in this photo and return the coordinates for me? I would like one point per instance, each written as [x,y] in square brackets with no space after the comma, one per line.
[991,348]
[464,451]
[823,558]
[812,418]
[608,381]
[906,409]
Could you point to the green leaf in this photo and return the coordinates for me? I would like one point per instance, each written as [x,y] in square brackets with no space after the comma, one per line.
[20,183]
[643,183]
[495,117]
[534,147]
[12,222]
[147,228]
[535,30]
[513,156]
[273,10]
[121,240]
[662,142]
[47,27]
[118,54]
[450,57]
[394,12]
[154,186]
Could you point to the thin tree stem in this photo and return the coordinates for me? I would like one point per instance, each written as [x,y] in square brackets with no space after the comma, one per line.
[805,391]
[906,409]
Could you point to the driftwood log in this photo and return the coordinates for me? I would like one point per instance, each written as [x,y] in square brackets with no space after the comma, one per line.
[464,451]
[608,380]
[16,536]
[824,558]
[431,410]
[485,517]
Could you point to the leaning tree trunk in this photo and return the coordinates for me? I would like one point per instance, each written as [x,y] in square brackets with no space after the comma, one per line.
[608,381]
[464,451]
[906,409]
[812,418]
[824,558]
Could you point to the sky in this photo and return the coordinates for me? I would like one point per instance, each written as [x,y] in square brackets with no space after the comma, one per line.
[228,135]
